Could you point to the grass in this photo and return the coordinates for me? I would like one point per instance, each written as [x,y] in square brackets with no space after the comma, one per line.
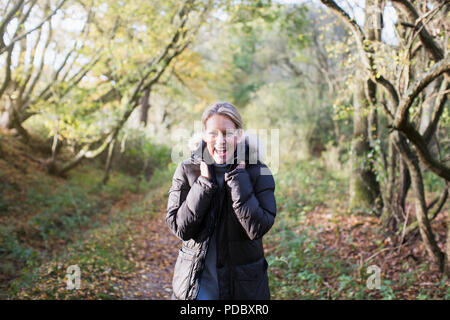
[51,214]
[41,215]
[297,267]
[76,222]
[105,254]
[304,262]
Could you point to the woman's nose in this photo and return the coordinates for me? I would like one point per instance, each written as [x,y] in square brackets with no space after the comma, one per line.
[220,139]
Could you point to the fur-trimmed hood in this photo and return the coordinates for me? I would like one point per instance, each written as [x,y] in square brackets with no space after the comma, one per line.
[249,149]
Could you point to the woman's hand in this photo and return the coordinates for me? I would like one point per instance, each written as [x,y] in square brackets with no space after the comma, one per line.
[204,169]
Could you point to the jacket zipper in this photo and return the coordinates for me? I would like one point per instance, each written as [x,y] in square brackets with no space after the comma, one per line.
[212,215]
[230,257]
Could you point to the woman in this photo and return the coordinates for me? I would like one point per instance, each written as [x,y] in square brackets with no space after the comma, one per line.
[221,203]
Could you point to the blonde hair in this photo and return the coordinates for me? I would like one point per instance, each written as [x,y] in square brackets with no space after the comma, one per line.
[225,109]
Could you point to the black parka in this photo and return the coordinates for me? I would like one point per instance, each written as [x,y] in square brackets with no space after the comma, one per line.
[243,211]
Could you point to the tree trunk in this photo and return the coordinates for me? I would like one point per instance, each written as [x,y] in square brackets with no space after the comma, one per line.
[389,217]
[425,230]
[398,109]
[429,105]
[145,106]
[364,188]
[109,162]
[405,183]
[6,119]
[447,248]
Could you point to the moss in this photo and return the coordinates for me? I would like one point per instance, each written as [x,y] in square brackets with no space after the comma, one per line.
[360,194]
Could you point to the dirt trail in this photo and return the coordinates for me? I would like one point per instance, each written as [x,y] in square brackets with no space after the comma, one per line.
[159,247]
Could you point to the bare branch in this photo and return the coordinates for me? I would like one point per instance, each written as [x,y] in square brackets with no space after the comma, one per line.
[7,18]
[435,71]
[41,67]
[154,68]
[439,109]
[440,201]
[424,153]
[366,51]
[7,79]
[19,37]
[425,37]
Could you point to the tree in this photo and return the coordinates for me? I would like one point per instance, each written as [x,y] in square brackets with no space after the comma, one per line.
[20,11]
[406,139]
[184,23]
[364,187]
[31,82]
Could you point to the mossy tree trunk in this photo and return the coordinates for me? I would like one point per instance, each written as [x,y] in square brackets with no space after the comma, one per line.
[447,248]
[364,189]
[437,256]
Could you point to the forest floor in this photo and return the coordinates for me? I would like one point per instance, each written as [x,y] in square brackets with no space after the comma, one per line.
[118,238]
[154,270]
[356,240]
[318,249]
[116,233]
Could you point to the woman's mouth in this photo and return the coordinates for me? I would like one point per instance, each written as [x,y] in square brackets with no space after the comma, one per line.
[221,152]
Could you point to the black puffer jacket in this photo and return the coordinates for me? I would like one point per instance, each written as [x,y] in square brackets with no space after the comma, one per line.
[243,211]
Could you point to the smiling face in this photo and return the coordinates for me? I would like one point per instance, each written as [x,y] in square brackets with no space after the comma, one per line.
[221,137]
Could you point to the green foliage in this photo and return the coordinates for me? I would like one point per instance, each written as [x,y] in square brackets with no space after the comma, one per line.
[244,11]
[303,185]
[140,156]
[243,65]
[61,213]
[432,182]
[298,268]
[104,254]
[301,267]
[294,23]
[285,67]
[90,94]
[12,251]
[305,126]
[54,216]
